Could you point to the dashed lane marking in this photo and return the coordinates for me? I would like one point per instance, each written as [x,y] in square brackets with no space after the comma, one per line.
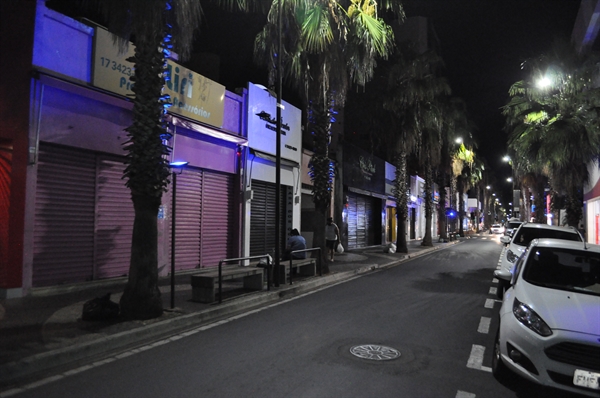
[489,303]
[484,325]
[494,280]
[476,358]
[493,290]
[464,394]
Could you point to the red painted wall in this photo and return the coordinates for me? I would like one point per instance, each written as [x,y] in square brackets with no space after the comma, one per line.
[17,19]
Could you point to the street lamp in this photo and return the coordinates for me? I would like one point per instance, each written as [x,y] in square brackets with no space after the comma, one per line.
[174,167]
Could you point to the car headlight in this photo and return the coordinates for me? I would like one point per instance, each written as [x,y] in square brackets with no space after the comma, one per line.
[529,318]
[510,256]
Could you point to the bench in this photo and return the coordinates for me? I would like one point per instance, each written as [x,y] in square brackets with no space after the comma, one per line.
[303,267]
[204,282]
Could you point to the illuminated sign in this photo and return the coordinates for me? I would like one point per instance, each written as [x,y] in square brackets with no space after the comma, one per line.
[192,95]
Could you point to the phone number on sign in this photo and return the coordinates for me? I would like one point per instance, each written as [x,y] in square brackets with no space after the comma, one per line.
[107,63]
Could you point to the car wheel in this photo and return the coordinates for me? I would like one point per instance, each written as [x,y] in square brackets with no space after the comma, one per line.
[499,369]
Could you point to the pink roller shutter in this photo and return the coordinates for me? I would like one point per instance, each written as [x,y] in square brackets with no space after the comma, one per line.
[187,217]
[216,223]
[63,247]
[114,219]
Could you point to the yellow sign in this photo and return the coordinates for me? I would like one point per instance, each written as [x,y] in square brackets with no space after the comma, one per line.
[192,95]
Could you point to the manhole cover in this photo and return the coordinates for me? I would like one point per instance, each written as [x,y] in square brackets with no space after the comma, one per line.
[375,352]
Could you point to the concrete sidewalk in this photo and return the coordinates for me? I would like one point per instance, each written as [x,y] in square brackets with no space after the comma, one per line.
[43,332]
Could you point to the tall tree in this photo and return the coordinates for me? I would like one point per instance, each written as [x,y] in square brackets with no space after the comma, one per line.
[327,46]
[553,121]
[157,26]
[413,95]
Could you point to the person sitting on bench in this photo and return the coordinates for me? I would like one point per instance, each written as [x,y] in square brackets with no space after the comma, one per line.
[295,242]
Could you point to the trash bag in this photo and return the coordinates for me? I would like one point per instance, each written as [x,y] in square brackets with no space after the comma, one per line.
[391,248]
[339,249]
[263,261]
[100,309]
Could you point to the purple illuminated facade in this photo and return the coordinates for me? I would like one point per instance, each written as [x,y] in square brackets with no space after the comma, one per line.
[62,197]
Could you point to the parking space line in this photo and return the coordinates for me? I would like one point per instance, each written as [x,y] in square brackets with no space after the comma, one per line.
[476,358]
[484,325]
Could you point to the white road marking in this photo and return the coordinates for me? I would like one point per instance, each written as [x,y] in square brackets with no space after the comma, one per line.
[464,394]
[476,358]
[484,325]
[494,280]
[489,303]
[493,290]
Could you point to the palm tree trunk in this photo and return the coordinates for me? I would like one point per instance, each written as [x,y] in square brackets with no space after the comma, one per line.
[401,200]
[428,239]
[461,206]
[141,298]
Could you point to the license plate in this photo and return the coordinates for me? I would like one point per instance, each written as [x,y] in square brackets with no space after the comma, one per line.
[583,378]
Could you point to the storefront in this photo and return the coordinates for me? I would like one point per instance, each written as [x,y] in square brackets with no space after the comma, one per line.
[260,174]
[79,212]
[365,198]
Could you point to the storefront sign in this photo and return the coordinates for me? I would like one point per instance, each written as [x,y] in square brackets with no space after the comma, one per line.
[363,171]
[192,95]
[262,125]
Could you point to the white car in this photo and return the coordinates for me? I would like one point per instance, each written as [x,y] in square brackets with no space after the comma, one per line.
[549,330]
[497,229]
[521,238]
[511,226]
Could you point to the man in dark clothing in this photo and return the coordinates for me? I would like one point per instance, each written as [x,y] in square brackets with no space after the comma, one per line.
[295,242]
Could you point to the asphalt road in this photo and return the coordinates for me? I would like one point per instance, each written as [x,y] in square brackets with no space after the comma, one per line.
[437,313]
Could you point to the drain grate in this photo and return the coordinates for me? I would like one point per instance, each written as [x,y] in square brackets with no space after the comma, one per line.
[375,352]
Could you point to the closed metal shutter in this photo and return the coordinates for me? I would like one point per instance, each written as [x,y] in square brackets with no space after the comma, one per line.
[63,237]
[217,219]
[114,219]
[204,216]
[360,221]
[187,218]
[262,218]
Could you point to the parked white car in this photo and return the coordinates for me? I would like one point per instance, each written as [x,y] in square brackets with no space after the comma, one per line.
[549,329]
[497,229]
[521,238]
[511,226]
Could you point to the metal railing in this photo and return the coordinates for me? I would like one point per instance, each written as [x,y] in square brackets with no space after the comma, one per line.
[229,260]
[304,251]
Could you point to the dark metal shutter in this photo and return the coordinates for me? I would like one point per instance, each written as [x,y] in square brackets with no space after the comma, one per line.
[63,238]
[360,213]
[187,217]
[262,217]
[114,219]
[217,219]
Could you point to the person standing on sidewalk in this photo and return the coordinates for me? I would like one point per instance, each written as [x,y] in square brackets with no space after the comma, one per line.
[332,237]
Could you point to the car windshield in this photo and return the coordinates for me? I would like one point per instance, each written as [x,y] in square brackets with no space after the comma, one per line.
[526,235]
[513,225]
[572,270]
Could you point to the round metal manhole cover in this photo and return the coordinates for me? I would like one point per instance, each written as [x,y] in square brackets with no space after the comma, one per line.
[375,352]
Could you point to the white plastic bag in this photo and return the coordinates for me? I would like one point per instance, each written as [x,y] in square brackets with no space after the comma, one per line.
[339,249]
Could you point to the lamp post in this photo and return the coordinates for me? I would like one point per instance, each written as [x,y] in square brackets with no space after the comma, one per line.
[174,167]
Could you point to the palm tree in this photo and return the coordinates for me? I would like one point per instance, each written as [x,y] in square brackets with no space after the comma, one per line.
[327,46]
[157,25]
[456,126]
[556,127]
[413,95]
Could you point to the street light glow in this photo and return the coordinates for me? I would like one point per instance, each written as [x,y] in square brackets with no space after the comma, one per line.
[459,140]
[544,82]
[509,179]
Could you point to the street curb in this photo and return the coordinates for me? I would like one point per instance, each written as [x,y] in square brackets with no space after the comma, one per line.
[13,372]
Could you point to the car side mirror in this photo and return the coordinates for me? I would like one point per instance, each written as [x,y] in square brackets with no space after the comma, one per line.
[505,239]
[503,275]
